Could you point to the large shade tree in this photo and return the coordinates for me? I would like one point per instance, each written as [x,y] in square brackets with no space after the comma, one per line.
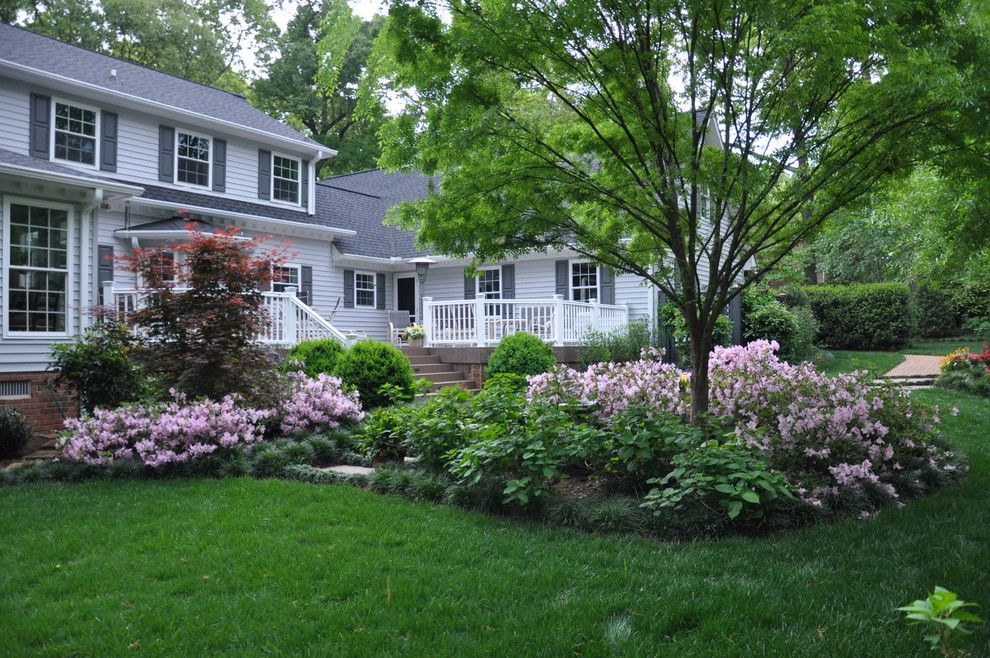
[582,125]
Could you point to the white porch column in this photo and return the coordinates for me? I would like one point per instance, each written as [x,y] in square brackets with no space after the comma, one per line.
[558,320]
[108,299]
[480,324]
[427,320]
[289,316]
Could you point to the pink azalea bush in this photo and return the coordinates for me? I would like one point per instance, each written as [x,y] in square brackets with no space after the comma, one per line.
[318,404]
[173,433]
[834,437]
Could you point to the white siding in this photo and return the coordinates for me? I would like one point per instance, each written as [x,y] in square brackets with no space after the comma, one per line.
[15,110]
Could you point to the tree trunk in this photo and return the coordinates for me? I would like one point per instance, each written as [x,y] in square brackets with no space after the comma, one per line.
[701,347]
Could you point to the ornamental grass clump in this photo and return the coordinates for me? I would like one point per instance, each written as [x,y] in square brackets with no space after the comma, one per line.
[158,435]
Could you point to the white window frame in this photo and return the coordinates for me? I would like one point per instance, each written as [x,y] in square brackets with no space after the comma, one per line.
[477,281]
[51,133]
[209,163]
[299,186]
[374,289]
[570,279]
[6,266]
[288,266]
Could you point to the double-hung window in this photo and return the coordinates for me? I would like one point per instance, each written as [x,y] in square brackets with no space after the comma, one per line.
[286,176]
[584,281]
[75,133]
[37,268]
[285,276]
[490,283]
[365,290]
[192,159]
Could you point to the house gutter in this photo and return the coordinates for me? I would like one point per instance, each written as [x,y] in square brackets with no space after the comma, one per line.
[69,179]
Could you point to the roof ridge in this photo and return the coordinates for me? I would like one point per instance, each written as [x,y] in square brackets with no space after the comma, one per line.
[125,61]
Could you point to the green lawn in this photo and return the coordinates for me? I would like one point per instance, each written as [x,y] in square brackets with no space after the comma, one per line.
[839,361]
[245,567]
[941,346]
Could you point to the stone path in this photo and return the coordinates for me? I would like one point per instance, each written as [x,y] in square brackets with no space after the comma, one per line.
[915,371]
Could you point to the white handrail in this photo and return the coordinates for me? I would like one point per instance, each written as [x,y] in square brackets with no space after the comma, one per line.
[290,320]
[484,321]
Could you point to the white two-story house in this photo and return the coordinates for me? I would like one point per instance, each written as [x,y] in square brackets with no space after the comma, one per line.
[100,155]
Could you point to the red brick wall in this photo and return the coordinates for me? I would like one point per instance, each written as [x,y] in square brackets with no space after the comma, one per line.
[40,408]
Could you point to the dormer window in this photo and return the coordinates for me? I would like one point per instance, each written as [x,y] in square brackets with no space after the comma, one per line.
[192,159]
[75,137]
[285,178]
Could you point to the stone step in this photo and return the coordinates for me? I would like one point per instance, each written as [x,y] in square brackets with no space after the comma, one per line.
[415,351]
[448,376]
[463,383]
[426,368]
[424,360]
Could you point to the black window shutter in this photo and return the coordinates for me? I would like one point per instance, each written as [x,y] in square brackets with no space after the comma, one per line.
[219,165]
[41,112]
[166,154]
[104,266]
[304,184]
[563,274]
[264,174]
[606,285]
[470,287]
[380,291]
[306,284]
[348,288]
[508,281]
[108,141]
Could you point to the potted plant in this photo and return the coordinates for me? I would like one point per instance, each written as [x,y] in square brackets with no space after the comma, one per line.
[415,334]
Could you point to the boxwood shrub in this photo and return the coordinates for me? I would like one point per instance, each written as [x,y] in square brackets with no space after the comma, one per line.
[15,432]
[370,364]
[862,316]
[316,357]
[521,354]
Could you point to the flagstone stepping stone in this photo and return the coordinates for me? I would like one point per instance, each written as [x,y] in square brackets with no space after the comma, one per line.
[351,470]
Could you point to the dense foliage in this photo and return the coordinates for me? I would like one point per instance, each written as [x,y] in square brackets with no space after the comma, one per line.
[521,354]
[368,365]
[862,316]
[619,346]
[673,322]
[99,366]
[15,432]
[768,318]
[315,356]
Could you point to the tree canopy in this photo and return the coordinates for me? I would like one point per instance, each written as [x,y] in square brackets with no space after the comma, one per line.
[589,126]
[313,82]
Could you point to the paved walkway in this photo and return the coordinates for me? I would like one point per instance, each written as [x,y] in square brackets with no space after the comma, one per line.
[915,365]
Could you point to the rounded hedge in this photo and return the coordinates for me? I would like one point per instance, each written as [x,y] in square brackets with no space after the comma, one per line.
[521,354]
[317,356]
[15,432]
[863,316]
[370,364]
[766,317]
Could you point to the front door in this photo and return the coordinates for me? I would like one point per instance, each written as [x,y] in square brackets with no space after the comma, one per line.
[405,295]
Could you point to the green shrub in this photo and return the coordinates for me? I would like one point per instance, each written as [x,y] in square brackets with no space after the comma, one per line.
[521,354]
[315,357]
[268,460]
[642,444]
[371,364]
[673,321]
[725,476]
[438,427]
[15,432]
[100,368]
[620,346]
[867,316]
[384,434]
[934,314]
[767,318]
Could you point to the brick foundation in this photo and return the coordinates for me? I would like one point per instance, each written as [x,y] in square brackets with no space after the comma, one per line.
[40,407]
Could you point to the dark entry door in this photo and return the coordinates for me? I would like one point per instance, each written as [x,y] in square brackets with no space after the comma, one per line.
[405,296]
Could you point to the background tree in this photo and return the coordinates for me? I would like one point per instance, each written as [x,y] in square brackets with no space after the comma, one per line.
[200,40]
[313,82]
[582,125]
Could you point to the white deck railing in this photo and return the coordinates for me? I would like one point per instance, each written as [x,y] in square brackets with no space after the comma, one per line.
[290,320]
[484,322]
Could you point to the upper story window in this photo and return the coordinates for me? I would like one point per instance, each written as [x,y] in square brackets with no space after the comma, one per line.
[584,281]
[285,178]
[490,283]
[192,159]
[37,268]
[364,289]
[75,137]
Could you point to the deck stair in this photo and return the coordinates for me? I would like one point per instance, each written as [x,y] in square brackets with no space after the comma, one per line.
[427,364]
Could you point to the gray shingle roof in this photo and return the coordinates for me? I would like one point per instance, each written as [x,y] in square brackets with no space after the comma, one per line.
[187,198]
[359,202]
[174,224]
[37,51]
[18,160]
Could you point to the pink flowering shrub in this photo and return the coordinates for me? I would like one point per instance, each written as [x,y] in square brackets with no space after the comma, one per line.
[318,404]
[173,433]
[839,440]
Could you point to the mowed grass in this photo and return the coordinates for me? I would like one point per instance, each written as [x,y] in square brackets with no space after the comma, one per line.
[942,346]
[246,567]
[839,361]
